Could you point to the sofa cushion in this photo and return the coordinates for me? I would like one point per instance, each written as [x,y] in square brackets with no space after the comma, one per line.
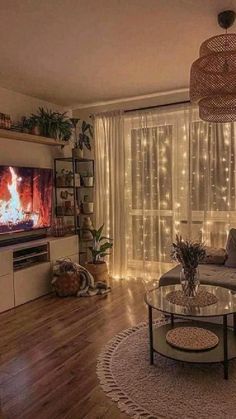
[215,256]
[231,249]
[209,275]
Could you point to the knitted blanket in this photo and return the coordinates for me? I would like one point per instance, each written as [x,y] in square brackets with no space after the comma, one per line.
[83,282]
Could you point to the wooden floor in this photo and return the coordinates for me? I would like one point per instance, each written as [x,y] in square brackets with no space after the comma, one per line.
[49,349]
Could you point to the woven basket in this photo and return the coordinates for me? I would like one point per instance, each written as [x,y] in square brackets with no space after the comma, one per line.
[67,284]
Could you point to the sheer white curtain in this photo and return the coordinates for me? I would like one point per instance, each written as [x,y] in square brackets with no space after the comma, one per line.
[110,186]
[160,173]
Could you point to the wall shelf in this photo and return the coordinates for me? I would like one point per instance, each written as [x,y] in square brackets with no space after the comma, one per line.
[30,138]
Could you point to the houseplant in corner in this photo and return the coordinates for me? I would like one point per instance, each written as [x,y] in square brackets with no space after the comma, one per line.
[83,139]
[189,254]
[101,244]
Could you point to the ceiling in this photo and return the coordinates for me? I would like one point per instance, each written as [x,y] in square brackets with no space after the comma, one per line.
[73,52]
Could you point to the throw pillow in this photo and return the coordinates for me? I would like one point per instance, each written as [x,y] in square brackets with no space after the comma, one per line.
[215,256]
[231,249]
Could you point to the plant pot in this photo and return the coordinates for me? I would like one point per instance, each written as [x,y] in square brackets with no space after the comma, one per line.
[189,280]
[98,270]
[35,131]
[77,153]
[87,207]
[88,181]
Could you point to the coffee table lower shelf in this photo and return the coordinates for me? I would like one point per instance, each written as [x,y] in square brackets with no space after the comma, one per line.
[211,356]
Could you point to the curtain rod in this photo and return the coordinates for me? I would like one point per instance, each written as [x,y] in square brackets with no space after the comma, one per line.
[156,106]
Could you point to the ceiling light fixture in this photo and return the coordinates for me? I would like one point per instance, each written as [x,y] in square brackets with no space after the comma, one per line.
[213,75]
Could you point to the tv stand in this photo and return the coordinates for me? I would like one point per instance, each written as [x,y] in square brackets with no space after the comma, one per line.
[26,268]
[22,239]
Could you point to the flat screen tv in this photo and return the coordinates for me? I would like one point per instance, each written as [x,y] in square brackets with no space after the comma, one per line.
[25,199]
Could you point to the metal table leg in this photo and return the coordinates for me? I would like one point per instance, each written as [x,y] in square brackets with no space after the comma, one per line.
[150,333]
[225,336]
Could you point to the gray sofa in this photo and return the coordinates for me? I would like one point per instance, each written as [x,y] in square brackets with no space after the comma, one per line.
[209,275]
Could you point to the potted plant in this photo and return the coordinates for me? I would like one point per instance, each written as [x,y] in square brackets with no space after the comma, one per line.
[99,249]
[52,124]
[189,254]
[29,125]
[83,139]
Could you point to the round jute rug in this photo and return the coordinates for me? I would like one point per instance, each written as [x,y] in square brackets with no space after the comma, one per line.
[166,390]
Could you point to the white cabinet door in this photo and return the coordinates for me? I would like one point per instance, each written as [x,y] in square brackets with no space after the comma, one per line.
[32,282]
[7,292]
[6,262]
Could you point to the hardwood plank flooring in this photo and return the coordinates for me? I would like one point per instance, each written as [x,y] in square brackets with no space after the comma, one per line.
[49,349]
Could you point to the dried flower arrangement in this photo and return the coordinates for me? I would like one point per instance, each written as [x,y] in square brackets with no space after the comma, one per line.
[189,254]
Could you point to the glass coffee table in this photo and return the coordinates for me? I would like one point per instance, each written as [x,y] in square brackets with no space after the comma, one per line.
[194,316]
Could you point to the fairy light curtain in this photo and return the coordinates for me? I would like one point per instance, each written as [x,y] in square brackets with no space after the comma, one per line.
[161,173]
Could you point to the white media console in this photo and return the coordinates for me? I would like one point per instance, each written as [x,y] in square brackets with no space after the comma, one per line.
[26,268]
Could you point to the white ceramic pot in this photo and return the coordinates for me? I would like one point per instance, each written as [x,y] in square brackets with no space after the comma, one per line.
[88,181]
[77,153]
[87,207]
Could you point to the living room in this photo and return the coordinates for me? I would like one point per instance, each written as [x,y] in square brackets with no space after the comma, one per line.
[118,209]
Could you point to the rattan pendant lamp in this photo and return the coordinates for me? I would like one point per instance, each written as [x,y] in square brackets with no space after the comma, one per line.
[213,75]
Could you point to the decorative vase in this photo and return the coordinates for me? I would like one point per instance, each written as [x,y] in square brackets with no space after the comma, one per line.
[189,279]
[86,227]
[77,153]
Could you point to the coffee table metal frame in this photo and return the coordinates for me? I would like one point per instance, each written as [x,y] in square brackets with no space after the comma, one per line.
[220,354]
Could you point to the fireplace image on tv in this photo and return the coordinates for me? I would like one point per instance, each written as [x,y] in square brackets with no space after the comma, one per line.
[25,199]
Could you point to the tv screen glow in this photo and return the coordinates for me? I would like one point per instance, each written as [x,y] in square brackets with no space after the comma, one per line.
[25,198]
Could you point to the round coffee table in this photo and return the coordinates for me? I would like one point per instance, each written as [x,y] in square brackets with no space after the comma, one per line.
[194,316]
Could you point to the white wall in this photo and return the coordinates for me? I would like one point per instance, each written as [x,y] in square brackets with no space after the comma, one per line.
[20,153]
[84,111]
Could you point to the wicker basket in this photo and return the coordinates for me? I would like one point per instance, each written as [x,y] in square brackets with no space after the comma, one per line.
[67,284]
[99,271]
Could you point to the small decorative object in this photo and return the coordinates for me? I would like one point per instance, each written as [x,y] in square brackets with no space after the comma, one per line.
[212,79]
[88,181]
[5,121]
[58,227]
[69,178]
[101,244]
[189,254]
[69,210]
[86,229]
[192,338]
[65,194]
[83,140]
[87,206]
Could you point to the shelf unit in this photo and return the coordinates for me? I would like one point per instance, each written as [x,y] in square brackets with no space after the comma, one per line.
[30,138]
[76,192]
